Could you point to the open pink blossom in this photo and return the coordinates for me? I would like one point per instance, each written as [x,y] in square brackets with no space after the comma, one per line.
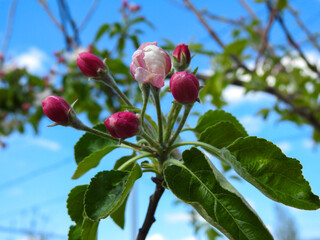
[150,64]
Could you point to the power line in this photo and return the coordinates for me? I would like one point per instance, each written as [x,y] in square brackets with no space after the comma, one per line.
[25,231]
[34,206]
[34,173]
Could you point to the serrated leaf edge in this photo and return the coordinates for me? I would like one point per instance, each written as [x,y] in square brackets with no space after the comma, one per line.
[122,196]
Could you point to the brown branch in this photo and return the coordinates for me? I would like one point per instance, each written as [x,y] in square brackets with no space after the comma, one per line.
[310,36]
[248,8]
[150,219]
[293,42]
[264,42]
[214,35]
[305,113]
[9,26]
[89,14]
[221,18]
[51,15]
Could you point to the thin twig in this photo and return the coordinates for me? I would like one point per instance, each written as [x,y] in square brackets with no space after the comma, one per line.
[89,15]
[305,113]
[248,8]
[6,40]
[51,15]
[214,35]
[264,40]
[150,219]
[309,34]
[293,42]
[221,18]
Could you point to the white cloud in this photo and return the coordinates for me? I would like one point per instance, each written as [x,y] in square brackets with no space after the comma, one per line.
[156,236]
[307,143]
[236,95]
[177,217]
[181,217]
[35,141]
[15,192]
[45,143]
[34,60]
[189,238]
[252,124]
[284,146]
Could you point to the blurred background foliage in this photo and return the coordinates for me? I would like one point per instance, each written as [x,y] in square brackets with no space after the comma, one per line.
[249,60]
[252,59]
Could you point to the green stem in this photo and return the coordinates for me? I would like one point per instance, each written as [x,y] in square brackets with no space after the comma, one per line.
[156,94]
[150,140]
[172,117]
[133,160]
[145,89]
[105,135]
[109,81]
[214,151]
[187,109]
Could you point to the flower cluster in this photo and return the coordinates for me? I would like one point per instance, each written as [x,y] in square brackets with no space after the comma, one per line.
[150,66]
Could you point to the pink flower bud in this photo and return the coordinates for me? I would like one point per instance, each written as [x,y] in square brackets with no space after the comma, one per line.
[184,87]
[56,108]
[124,3]
[150,64]
[1,57]
[89,64]
[181,57]
[122,124]
[61,59]
[25,106]
[134,7]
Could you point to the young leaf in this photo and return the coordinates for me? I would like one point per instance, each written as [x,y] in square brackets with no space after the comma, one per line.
[123,160]
[92,161]
[89,229]
[280,178]
[108,190]
[118,216]
[221,134]
[75,232]
[197,182]
[75,203]
[102,30]
[90,143]
[211,118]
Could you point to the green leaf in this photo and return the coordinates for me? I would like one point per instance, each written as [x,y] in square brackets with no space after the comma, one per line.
[211,118]
[89,143]
[86,230]
[102,30]
[279,177]
[92,161]
[197,182]
[108,190]
[122,160]
[221,134]
[75,232]
[75,203]
[281,4]
[236,47]
[212,234]
[214,87]
[89,229]
[118,216]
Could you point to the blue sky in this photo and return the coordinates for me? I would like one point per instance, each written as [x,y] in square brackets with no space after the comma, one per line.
[37,201]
